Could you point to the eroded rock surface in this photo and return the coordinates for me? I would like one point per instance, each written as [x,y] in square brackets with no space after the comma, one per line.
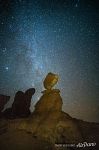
[48,123]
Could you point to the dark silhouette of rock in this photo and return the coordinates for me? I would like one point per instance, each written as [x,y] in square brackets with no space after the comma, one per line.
[3,100]
[7,113]
[21,104]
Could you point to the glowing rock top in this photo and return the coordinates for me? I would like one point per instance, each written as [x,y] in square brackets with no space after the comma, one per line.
[50,80]
[50,100]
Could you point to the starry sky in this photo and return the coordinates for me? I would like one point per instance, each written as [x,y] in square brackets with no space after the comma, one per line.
[59,36]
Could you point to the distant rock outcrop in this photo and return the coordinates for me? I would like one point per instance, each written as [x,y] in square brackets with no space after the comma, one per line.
[21,104]
[3,100]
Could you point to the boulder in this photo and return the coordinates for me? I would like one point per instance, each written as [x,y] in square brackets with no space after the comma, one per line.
[50,80]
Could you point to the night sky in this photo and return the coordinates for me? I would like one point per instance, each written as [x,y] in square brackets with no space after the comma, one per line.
[59,36]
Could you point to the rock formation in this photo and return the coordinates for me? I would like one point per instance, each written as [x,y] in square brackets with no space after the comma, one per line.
[48,121]
[48,108]
[21,104]
[47,125]
[51,99]
[50,80]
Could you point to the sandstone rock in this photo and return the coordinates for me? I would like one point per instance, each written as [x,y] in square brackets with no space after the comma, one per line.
[47,110]
[50,101]
[50,80]
[48,122]
[21,104]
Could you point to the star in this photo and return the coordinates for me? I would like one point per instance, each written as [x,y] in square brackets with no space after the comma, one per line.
[2,23]
[4,50]
[6,68]
[76,5]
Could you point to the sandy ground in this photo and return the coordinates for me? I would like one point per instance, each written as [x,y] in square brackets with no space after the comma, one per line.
[20,140]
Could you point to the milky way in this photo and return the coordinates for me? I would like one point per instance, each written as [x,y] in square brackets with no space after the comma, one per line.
[41,36]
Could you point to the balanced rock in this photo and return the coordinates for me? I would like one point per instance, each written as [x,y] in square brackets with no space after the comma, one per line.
[47,110]
[51,99]
[48,121]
